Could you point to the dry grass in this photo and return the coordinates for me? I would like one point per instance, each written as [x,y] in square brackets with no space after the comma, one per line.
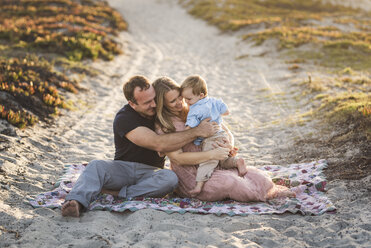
[345,38]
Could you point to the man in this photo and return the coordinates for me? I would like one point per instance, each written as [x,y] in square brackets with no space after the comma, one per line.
[137,169]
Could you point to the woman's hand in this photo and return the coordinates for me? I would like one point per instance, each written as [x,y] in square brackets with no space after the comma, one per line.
[225,144]
[219,153]
[233,152]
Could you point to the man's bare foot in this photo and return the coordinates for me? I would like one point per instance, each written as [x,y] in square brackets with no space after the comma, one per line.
[242,169]
[197,190]
[71,208]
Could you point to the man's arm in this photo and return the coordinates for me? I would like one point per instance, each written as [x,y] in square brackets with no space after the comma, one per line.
[145,137]
[186,158]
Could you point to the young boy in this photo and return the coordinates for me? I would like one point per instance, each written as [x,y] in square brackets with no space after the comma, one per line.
[194,91]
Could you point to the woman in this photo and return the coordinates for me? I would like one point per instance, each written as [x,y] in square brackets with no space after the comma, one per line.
[223,184]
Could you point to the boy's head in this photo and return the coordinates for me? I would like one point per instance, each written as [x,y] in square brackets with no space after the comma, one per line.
[194,88]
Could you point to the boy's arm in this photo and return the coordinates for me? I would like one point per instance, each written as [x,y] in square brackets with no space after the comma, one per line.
[222,107]
[226,112]
[193,117]
[145,137]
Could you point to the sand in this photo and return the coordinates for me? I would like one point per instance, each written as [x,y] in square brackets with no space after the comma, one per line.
[164,40]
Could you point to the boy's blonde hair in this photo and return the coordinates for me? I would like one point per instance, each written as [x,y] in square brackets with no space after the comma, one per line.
[197,83]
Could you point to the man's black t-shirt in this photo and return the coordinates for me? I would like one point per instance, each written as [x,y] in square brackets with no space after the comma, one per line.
[126,120]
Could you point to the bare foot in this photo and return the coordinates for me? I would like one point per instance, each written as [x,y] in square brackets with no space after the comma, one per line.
[287,193]
[282,192]
[242,169]
[71,208]
[194,192]
[197,190]
[290,194]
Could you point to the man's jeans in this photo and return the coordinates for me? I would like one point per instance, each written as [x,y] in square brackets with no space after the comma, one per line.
[130,178]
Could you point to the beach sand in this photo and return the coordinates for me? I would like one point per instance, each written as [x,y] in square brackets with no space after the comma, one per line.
[163,40]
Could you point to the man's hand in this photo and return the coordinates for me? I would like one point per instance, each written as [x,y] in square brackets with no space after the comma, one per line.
[206,128]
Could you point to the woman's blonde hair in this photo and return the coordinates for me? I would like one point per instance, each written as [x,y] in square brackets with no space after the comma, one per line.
[163,85]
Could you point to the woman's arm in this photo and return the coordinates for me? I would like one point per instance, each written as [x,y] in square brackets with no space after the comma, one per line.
[186,158]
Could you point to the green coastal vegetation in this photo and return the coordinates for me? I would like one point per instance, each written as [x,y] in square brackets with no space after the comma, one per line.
[332,37]
[39,36]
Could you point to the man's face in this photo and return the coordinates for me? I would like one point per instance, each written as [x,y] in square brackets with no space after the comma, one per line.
[189,97]
[145,105]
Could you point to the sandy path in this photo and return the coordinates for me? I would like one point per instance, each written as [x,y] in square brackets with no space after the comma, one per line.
[164,40]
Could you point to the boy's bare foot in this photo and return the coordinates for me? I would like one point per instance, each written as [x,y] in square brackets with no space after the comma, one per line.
[242,169]
[194,192]
[71,208]
[197,190]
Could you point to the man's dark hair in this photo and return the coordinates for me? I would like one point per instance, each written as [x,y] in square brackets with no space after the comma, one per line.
[136,81]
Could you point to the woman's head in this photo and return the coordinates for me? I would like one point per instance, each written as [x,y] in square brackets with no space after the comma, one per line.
[168,95]
[169,102]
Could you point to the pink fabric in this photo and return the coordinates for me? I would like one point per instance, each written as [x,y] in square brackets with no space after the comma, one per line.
[224,184]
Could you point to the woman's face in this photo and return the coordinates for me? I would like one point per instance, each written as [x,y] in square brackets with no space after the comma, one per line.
[174,101]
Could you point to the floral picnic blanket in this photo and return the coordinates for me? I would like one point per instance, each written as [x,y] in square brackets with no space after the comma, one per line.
[306,179]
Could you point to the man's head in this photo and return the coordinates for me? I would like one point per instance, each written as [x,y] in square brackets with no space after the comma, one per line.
[141,96]
[194,88]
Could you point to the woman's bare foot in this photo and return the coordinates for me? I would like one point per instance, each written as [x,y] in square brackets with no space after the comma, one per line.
[71,208]
[287,193]
[279,191]
[242,169]
[197,190]
[290,194]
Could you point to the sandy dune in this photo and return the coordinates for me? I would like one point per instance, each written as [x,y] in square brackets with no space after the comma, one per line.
[164,40]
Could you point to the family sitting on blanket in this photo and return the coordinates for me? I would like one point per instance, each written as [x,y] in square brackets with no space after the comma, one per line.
[138,167]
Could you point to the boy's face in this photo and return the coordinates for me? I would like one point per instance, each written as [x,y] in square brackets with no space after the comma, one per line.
[189,97]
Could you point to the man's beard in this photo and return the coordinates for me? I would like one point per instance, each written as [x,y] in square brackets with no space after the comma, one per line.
[145,115]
